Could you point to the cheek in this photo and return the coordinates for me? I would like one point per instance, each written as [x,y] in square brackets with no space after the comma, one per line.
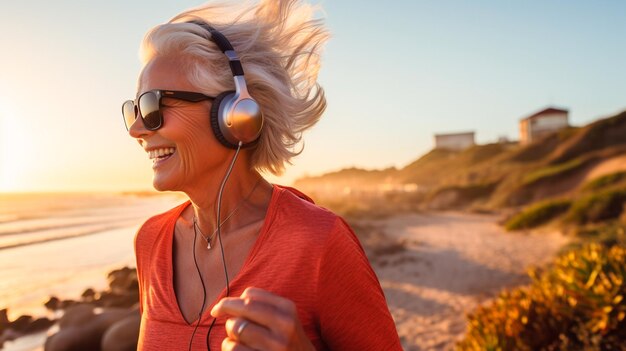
[187,128]
[194,139]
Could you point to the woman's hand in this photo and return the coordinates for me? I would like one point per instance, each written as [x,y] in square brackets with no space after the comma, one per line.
[261,321]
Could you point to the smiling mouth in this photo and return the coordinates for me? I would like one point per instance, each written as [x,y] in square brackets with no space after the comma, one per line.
[159,155]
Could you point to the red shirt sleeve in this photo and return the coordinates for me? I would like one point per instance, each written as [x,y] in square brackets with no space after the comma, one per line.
[353,313]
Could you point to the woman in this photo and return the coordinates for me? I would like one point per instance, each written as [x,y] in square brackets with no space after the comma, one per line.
[275,272]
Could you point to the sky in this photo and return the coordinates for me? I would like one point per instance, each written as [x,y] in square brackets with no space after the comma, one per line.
[394,76]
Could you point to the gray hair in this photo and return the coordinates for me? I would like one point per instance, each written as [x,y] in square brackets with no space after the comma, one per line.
[279,44]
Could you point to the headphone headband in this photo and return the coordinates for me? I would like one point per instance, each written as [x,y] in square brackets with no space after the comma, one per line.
[223,44]
[236,118]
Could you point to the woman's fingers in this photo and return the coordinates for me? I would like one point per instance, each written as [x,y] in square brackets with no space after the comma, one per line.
[281,303]
[261,320]
[251,334]
[231,345]
[270,313]
[255,311]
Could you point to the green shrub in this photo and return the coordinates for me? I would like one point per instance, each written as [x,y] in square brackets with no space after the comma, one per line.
[602,134]
[606,233]
[555,171]
[538,214]
[597,207]
[577,304]
[604,181]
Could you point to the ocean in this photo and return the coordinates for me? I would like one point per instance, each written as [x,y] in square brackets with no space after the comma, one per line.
[61,244]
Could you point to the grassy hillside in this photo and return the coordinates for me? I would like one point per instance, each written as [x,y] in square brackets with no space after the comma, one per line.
[492,176]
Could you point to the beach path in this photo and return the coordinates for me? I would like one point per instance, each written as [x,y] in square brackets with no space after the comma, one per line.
[451,262]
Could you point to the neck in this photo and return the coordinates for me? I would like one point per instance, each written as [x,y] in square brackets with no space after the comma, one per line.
[243,192]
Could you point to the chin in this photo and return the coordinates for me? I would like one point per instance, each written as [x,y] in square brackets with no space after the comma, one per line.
[162,184]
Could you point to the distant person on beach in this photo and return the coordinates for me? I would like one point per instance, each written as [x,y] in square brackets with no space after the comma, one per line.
[225,93]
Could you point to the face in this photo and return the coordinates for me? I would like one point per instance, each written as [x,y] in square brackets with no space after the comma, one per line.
[197,155]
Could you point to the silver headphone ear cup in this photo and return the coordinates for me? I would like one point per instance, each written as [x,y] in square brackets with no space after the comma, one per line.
[245,122]
[216,115]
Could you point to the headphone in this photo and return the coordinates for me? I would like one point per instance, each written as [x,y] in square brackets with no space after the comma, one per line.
[236,120]
[235,116]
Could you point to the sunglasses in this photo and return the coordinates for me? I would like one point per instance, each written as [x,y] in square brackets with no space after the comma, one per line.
[148,106]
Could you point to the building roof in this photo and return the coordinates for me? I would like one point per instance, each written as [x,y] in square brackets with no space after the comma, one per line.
[546,111]
[455,134]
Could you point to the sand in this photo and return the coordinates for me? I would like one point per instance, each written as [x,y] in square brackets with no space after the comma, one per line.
[451,263]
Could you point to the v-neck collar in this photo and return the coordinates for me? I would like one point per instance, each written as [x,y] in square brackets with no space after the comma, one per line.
[269,215]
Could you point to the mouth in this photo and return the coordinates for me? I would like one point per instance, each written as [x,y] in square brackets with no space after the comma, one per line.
[160,155]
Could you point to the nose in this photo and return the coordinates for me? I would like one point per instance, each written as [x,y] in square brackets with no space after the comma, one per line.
[138,129]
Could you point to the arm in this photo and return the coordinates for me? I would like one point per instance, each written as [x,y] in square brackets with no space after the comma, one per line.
[351,310]
[353,313]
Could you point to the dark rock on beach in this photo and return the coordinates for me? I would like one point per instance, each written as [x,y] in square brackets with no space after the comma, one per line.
[21,326]
[107,320]
[81,328]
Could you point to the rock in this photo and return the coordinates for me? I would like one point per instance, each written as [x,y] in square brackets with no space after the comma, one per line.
[122,335]
[53,303]
[76,315]
[123,280]
[4,318]
[88,295]
[39,324]
[8,335]
[111,299]
[21,323]
[83,330]
[65,304]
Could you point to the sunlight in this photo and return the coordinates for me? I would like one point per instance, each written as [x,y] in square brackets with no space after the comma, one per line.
[9,159]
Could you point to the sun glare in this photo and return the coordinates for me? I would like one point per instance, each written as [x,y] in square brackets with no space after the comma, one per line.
[9,159]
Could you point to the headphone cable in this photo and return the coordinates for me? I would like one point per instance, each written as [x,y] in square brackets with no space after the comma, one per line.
[219,238]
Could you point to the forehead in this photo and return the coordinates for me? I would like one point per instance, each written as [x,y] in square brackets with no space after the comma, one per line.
[164,73]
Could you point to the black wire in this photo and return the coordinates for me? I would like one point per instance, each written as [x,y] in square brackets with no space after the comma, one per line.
[219,236]
[195,235]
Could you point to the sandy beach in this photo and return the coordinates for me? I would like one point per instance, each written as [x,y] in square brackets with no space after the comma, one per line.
[450,263]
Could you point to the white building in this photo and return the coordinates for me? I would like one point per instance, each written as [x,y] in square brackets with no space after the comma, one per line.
[544,122]
[454,141]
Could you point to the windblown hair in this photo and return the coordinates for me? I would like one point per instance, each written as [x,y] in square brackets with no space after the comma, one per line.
[279,44]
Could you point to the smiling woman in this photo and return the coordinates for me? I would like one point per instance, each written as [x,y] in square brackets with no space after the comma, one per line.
[219,100]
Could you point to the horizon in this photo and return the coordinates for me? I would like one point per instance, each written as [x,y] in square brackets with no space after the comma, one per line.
[438,68]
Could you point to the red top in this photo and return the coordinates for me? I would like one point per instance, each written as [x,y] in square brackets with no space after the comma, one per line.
[304,253]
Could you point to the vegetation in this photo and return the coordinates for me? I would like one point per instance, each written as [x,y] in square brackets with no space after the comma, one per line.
[480,153]
[597,207]
[538,214]
[551,167]
[554,172]
[611,233]
[542,148]
[602,134]
[577,304]
[605,181]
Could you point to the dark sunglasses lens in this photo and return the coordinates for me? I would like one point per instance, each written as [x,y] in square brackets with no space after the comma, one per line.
[149,108]
[128,111]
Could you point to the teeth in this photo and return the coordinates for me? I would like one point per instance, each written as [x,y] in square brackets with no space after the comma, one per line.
[152,154]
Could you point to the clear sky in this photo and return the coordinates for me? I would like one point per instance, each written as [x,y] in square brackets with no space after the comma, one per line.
[395,73]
